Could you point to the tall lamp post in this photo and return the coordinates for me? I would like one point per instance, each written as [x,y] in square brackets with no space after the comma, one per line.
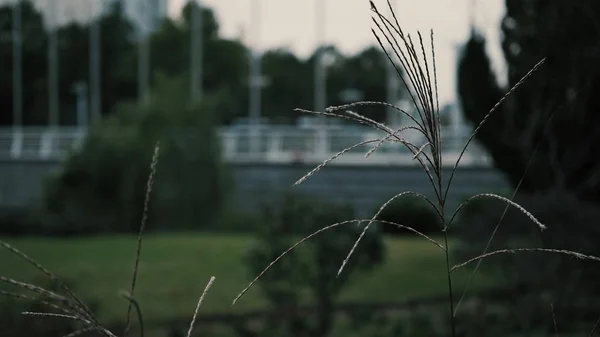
[144,52]
[95,89]
[17,70]
[320,85]
[53,67]
[196,57]
[393,118]
[255,80]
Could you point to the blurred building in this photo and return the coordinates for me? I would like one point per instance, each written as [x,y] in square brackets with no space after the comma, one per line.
[146,15]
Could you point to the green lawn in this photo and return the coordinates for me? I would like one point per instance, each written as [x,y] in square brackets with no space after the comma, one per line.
[175,268]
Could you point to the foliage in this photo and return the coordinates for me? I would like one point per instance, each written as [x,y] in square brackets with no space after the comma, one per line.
[19,221]
[15,324]
[562,277]
[411,212]
[224,62]
[553,115]
[33,64]
[170,262]
[545,139]
[309,272]
[289,84]
[365,71]
[101,188]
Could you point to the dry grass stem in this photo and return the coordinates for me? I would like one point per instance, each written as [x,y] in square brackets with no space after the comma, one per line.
[138,309]
[30,298]
[487,116]
[308,237]
[85,310]
[514,193]
[193,322]
[71,317]
[47,293]
[369,103]
[498,197]
[390,138]
[80,332]
[335,156]
[149,185]
[530,250]
[362,234]
[554,320]
[595,327]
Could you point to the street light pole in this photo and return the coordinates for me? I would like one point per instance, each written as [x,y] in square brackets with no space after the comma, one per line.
[17,72]
[196,57]
[144,53]
[17,68]
[95,89]
[53,119]
[320,85]
[255,83]
[393,117]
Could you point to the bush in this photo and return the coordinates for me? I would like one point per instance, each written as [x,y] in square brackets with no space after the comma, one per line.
[572,225]
[19,221]
[412,212]
[309,272]
[102,187]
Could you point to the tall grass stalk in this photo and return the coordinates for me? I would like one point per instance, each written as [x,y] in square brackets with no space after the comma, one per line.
[71,305]
[149,185]
[192,323]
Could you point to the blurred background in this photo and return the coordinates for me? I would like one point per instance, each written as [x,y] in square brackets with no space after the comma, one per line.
[88,88]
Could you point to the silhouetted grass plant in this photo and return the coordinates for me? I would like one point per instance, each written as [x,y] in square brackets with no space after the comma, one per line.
[421,83]
[70,305]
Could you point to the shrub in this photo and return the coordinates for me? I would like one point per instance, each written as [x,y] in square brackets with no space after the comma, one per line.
[102,187]
[412,212]
[309,272]
[19,221]
[572,225]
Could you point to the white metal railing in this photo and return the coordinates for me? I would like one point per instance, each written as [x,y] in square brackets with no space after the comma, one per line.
[39,142]
[272,144]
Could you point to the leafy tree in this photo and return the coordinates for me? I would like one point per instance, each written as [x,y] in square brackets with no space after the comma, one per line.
[540,277]
[118,59]
[34,66]
[290,84]
[309,272]
[291,80]
[365,72]
[73,43]
[171,43]
[411,212]
[548,126]
[102,187]
[555,108]
[225,64]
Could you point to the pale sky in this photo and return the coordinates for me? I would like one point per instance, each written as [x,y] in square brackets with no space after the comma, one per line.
[291,24]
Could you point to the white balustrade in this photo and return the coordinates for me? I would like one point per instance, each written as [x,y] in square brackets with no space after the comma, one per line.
[282,144]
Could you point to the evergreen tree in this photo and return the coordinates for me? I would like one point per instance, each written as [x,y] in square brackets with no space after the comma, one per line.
[555,109]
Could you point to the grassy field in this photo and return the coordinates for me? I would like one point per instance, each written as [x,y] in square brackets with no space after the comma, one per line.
[175,268]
